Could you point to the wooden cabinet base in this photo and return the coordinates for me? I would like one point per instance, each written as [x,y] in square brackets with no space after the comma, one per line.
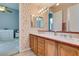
[41,46]
[46,47]
[65,50]
[50,48]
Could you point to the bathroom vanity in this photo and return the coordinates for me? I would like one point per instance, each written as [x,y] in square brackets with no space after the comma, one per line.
[47,44]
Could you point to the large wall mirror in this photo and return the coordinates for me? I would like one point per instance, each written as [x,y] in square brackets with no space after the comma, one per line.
[37,22]
[66,18]
[50,21]
[73,19]
[57,16]
[55,21]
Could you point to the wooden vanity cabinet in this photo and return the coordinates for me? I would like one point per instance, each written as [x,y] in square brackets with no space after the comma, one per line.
[31,42]
[50,48]
[35,44]
[66,50]
[78,52]
[41,46]
[46,47]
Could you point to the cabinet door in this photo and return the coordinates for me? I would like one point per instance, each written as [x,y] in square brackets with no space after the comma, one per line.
[65,50]
[78,52]
[35,44]
[41,46]
[32,42]
[50,48]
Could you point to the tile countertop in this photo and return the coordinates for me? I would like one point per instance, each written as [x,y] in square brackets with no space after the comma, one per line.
[50,35]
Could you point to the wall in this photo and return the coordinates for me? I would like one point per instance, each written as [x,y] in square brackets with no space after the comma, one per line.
[9,20]
[24,25]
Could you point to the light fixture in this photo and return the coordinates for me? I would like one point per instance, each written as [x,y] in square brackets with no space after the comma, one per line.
[57,4]
[2,8]
[43,10]
[40,10]
[5,9]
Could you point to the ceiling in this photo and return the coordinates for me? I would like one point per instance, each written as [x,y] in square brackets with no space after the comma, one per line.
[61,6]
[35,7]
[14,6]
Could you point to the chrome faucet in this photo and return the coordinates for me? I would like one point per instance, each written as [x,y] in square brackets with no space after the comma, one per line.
[70,36]
[55,33]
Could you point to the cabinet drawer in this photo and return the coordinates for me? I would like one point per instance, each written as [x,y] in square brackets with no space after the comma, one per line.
[41,40]
[39,44]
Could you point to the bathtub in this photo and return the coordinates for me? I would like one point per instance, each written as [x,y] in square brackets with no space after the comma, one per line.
[6,34]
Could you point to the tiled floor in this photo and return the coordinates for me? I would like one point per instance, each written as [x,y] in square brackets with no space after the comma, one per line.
[26,53]
[9,46]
